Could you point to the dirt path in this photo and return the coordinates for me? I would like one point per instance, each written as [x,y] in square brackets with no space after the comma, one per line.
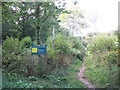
[83,79]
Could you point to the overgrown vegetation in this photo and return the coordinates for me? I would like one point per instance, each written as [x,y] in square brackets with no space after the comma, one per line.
[15,52]
[17,64]
[39,23]
[60,78]
[102,62]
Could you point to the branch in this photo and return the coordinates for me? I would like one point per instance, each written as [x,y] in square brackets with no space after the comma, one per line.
[46,17]
[35,24]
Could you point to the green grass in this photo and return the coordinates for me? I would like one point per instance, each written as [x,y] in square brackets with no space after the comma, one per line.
[73,70]
[62,78]
[101,75]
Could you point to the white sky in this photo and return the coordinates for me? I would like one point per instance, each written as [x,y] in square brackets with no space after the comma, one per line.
[106,12]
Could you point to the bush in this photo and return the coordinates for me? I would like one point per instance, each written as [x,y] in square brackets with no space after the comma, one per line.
[10,45]
[10,53]
[60,51]
[111,58]
[14,52]
[77,49]
[102,60]
[61,43]
[26,42]
[64,49]
[99,74]
[102,43]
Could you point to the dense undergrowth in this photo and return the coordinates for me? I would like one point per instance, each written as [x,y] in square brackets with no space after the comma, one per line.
[102,62]
[100,75]
[59,68]
[17,55]
[44,23]
[53,70]
[61,78]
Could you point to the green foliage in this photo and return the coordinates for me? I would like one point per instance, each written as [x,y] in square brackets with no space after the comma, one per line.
[60,50]
[70,74]
[102,43]
[16,81]
[8,24]
[26,42]
[14,53]
[10,53]
[61,44]
[32,78]
[102,61]
[18,53]
[66,45]
[77,43]
[100,75]
[78,49]
[58,80]
[29,19]
[111,58]
[75,51]
[34,21]
[63,50]
[10,45]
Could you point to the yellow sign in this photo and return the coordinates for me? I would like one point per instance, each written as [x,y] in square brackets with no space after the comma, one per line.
[34,50]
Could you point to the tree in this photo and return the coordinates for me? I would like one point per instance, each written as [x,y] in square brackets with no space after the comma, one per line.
[30,19]
[73,21]
[8,23]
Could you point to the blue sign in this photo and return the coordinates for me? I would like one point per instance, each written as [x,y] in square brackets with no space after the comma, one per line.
[39,50]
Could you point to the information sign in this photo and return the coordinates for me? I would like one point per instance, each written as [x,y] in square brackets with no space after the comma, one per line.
[39,50]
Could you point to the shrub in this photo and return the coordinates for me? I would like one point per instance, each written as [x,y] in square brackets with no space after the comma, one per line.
[99,74]
[61,43]
[14,52]
[102,43]
[26,42]
[10,45]
[111,58]
[64,47]
[77,49]
[61,49]
[10,53]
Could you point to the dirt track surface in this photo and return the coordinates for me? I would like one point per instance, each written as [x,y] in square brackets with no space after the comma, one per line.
[84,80]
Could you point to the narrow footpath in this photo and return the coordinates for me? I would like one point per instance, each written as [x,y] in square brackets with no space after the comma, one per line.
[83,79]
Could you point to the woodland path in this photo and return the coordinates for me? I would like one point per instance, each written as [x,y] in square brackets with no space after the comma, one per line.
[83,79]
